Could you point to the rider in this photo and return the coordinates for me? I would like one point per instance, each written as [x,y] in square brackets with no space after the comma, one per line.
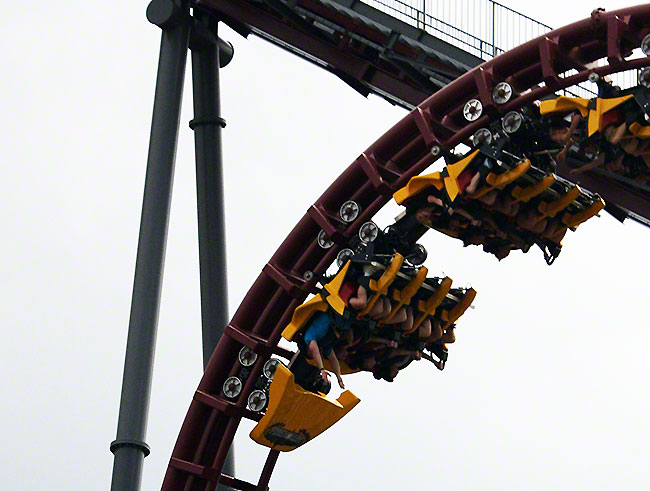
[319,338]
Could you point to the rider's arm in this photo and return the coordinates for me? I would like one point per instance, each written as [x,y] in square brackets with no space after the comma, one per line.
[468,215]
[575,120]
[594,163]
[315,353]
[473,184]
[334,363]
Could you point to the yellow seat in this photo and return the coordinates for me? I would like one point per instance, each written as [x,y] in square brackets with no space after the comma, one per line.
[526,194]
[403,297]
[319,303]
[417,184]
[499,181]
[455,170]
[573,220]
[551,208]
[334,287]
[302,314]
[595,122]
[295,416]
[565,104]
[428,307]
[380,286]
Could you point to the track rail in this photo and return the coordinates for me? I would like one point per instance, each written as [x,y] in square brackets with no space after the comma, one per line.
[401,153]
[368,49]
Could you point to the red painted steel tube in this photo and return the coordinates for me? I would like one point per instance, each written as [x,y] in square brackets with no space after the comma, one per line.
[606,35]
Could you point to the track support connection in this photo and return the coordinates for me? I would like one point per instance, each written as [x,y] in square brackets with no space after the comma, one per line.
[207,125]
[180,31]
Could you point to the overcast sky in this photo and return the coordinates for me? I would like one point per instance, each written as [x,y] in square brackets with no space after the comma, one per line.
[546,385]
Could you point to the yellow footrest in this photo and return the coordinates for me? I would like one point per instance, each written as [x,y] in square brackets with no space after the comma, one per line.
[429,306]
[573,220]
[551,208]
[500,181]
[639,130]
[459,309]
[526,194]
[295,416]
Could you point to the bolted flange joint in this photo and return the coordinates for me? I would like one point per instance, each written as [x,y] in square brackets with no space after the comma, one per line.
[126,442]
[196,122]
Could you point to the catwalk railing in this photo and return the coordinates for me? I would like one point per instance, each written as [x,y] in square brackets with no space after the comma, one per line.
[483,28]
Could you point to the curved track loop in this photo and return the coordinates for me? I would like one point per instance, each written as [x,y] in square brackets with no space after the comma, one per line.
[404,151]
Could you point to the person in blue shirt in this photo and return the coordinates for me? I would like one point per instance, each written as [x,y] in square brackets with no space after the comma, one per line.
[319,338]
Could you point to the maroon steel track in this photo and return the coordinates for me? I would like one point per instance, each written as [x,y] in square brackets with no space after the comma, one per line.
[401,153]
[354,63]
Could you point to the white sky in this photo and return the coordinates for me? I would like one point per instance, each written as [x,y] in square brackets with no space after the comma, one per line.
[545,387]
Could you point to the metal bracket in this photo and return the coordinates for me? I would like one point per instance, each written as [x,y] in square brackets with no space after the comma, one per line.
[203,35]
[165,14]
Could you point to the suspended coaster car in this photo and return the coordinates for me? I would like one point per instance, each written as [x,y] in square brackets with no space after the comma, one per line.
[500,200]
[493,108]
[632,106]
[295,416]
[611,134]
[298,408]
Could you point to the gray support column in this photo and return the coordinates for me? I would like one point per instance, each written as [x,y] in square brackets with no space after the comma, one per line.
[129,447]
[207,124]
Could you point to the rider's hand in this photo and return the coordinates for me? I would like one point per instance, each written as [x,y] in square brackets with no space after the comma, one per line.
[340,379]
[324,374]
[422,215]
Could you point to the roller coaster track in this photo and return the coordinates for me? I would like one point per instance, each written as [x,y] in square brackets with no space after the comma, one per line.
[368,49]
[401,153]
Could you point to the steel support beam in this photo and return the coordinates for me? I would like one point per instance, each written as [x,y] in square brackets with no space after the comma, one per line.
[207,125]
[129,447]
